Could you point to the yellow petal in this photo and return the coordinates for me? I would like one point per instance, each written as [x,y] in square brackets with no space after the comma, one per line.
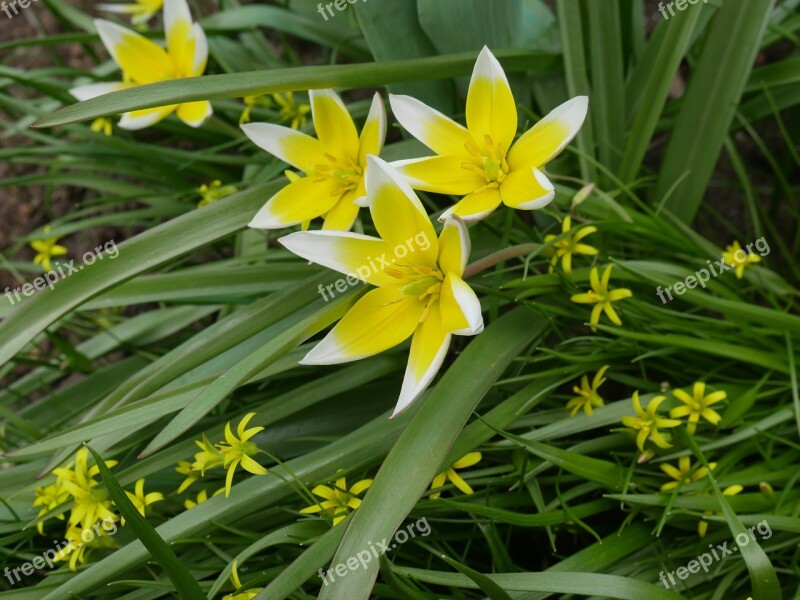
[527,189]
[301,151]
[454,246]
[428,349]
[251,466]
[460,307]
[440,175]
[459,482]
[194,114]
[333,123]
[343,214]
[476,206]
[490,104]
[468,460]
[398,214]
[139,119]
[360,486]
[360,256]
[141,59]
[545,140]
[374,132]
[386,310]
[439,481]
[186,42]
[437,131]
[302,200]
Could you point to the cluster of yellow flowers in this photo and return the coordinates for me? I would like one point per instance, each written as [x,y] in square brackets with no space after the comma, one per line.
[76,482]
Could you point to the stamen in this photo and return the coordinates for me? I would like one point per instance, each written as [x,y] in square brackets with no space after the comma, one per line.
[472,149]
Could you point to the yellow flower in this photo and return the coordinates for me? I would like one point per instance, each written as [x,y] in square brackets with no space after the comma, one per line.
[143,61]
[140,11]
[186,468]
[648,422]
[46,250]
[468,460]
[214,191]
[209,457]
[602,297]
[201,497]
[587,397]
[249,103]
[141,500]
[734,255]
[338,500]
[50,497]
[702,525]
[238,450]
[237,584]
[569,245]
[76,549]
[684,474]
[697,406]
[420,291]
[91,503]
[102,124]
[334,164]
[291,111]
[481,161]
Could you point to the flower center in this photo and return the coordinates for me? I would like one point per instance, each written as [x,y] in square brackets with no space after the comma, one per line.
[423,282]
[490,164]
[347,173]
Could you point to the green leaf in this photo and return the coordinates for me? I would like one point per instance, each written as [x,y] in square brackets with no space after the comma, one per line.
[486,584]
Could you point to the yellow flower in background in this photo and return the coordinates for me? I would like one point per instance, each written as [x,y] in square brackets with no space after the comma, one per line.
[567,246]
[143,61]
[141,500]
[237,450]
[697,405]
[249,103]
[91,503]
[602,297]
[102,125]
[214,191]
[337,499]
[77,549]
[481,161]
[420,293]
[702,525]
[186,468]
[140,11]
[587,397]
[50,497]
[291,111]
[684,473]
[468,460]
[202,496]
[647,422]
[209,457]
[46,250]
[334,164]
[734,255]
[237,585]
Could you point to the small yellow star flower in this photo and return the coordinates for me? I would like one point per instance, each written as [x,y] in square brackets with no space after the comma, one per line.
[734,255]
[648,422]
[186,468]
[143,61]
[567,246]
[334,164]
[684,474]
[237,585]
[140,11]
[91,503]
[209,457]
[141,500]
[202,496]
[702,525]
[46,250]
[238,450]
[214,191]
[419,294]
[291,111]
[102,124]
[602,297]
[697,406]
[587,397]
[50,497]
[76,549]
[481,161]
[338,500]
[249,103]
[468,460]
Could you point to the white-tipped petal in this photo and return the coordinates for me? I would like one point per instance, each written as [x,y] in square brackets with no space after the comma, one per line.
[301,151]
[431,127]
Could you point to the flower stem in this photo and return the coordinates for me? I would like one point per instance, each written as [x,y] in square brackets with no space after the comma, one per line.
[498,257]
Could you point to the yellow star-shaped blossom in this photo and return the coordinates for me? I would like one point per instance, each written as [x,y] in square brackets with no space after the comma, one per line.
[647,422]
[697,405]
[602,297]
[587,397]
[468,460]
